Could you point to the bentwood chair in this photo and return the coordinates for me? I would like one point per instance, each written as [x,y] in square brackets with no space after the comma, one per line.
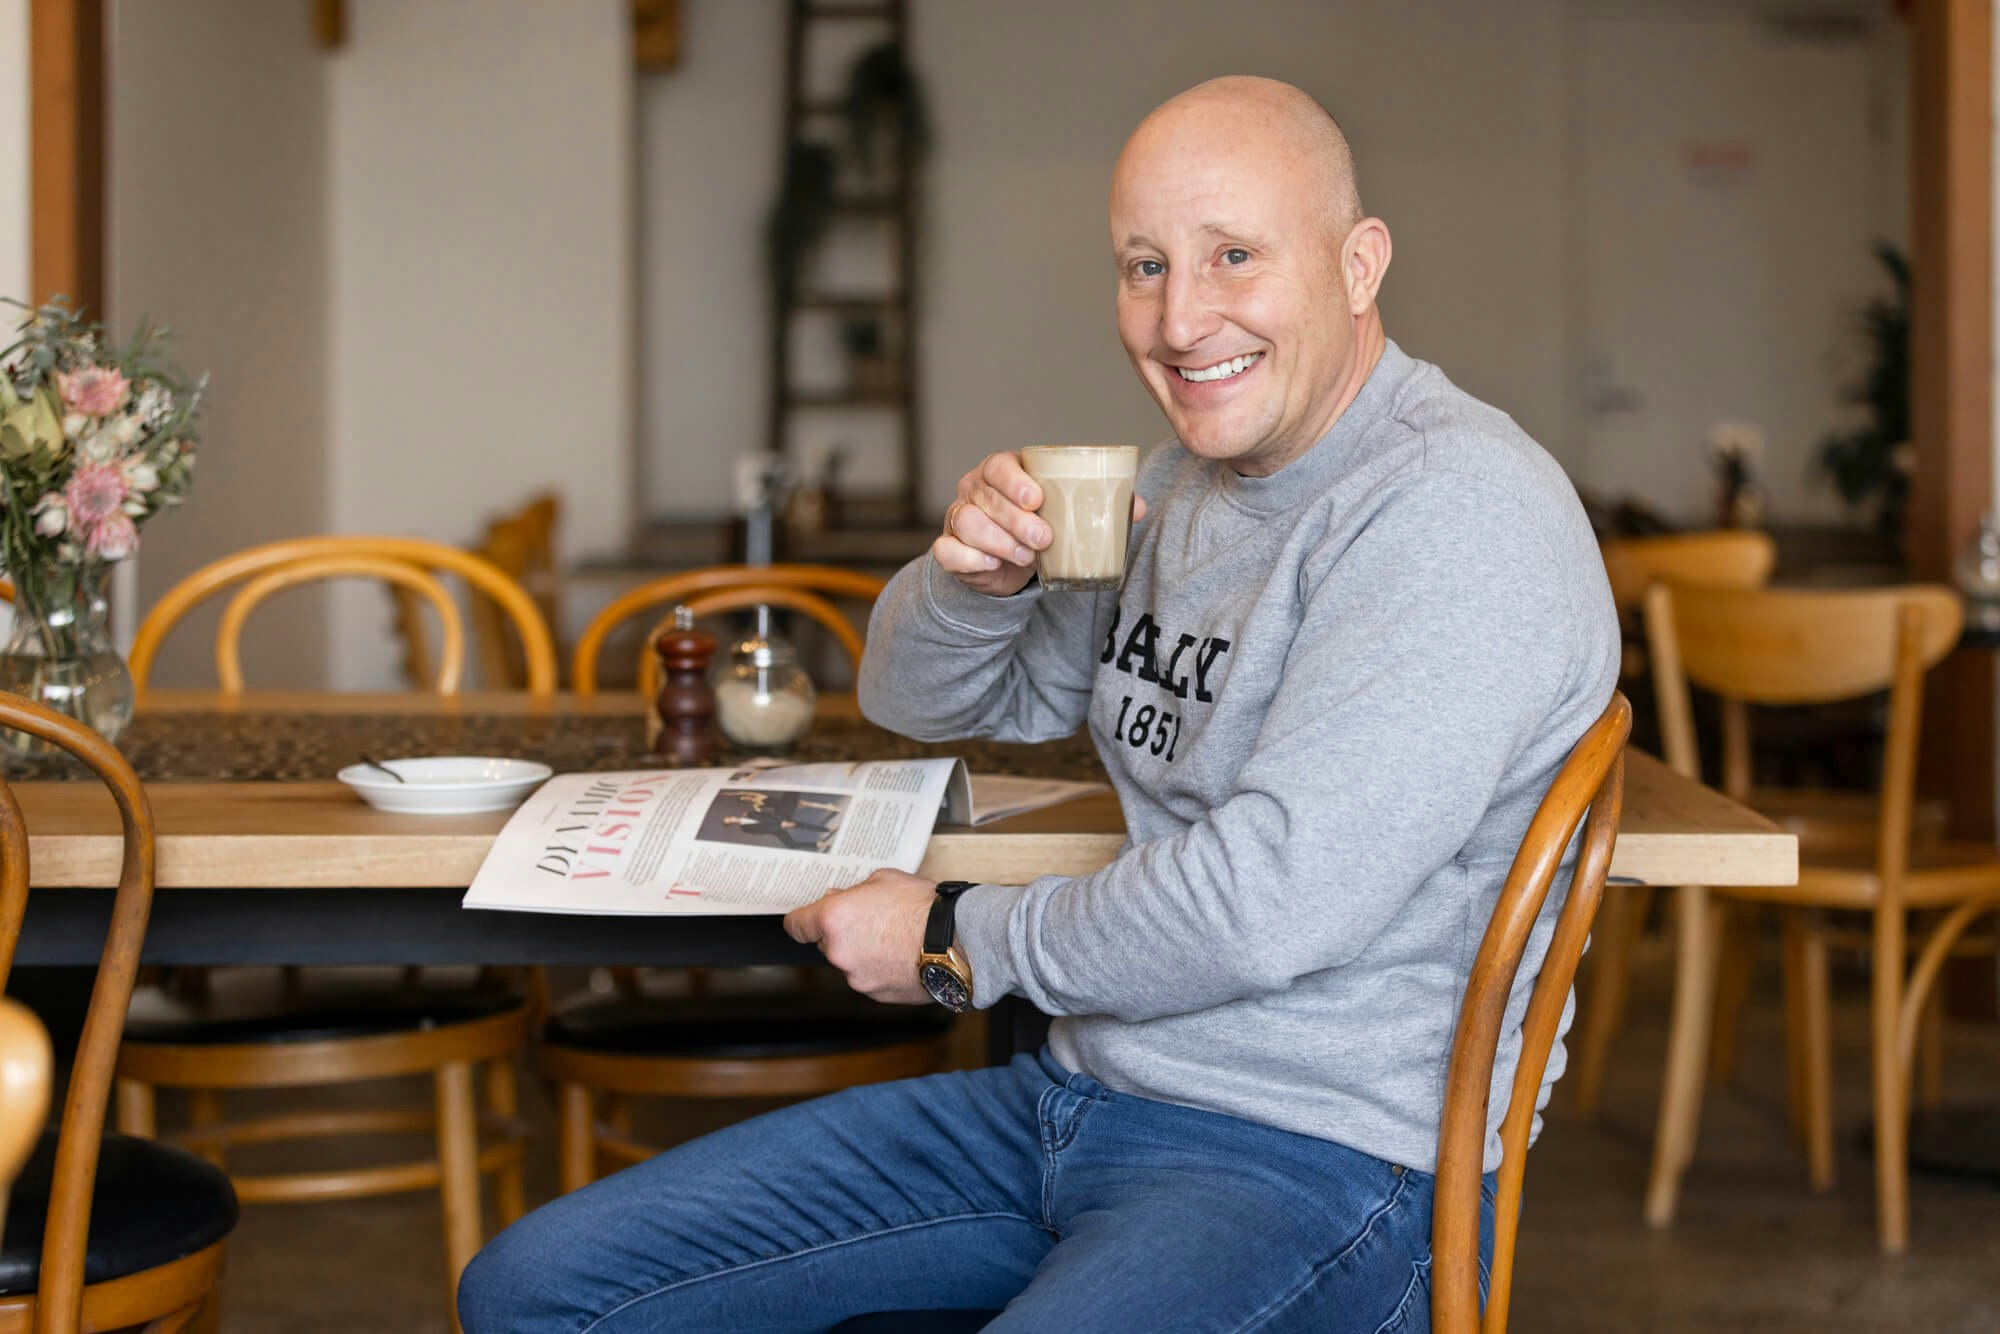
[603,1052]
[1722,558]
[480,575]
[1592,781]
[346,1032]
[521,544]
[103,1231]
[1798,647]
[1819,818]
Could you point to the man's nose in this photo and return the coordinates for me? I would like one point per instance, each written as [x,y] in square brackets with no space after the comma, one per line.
[1186,314]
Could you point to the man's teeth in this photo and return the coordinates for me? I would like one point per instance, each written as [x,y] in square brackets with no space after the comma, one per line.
[1222,370]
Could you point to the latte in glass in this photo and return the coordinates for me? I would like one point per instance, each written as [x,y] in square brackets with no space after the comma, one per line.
[1087,501]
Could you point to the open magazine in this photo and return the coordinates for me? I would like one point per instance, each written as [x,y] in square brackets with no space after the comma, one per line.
[762,838]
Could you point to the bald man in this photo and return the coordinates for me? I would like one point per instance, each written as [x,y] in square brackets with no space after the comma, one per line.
[1374,612]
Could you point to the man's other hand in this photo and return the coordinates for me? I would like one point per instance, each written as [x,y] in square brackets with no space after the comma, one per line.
[872,932]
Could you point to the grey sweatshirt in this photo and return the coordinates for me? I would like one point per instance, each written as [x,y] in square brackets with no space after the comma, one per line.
[1330,700]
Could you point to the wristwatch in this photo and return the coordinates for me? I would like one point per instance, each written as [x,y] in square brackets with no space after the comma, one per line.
[942,967]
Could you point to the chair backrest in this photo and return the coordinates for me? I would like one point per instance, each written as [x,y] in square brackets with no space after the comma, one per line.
[1593,778]
[523,545]
[312,569]
[436,557]
[1724,558]
[1797,646]
[60,1293]
[825,580]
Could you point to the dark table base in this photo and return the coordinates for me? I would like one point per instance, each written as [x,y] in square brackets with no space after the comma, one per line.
[388,926]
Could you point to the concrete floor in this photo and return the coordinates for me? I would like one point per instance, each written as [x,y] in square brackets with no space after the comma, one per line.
[1753,1250]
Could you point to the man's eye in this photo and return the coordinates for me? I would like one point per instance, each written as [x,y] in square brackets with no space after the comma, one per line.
[1236,255]
[1149,268]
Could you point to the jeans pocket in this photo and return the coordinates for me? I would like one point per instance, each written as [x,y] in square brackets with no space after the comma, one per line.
[1413,1312]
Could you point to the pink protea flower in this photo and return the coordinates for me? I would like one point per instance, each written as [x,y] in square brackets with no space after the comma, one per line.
[113,538]
[95,492]
[93,391]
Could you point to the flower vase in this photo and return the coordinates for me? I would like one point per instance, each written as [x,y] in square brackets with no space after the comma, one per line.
[61,656]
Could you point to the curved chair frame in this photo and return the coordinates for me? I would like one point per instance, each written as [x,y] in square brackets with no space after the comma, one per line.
[826,580]
[62,1302]
[1592,778]
[314,569]
[481,574]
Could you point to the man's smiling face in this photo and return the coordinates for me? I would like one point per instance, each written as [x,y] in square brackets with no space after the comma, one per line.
[1231,302]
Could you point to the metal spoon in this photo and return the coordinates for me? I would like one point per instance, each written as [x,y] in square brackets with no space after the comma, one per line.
[374,763]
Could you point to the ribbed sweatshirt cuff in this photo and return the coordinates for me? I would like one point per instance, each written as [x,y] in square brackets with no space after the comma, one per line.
[976,613]
[980,925]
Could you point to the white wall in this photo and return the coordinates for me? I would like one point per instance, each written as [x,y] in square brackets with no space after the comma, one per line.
[216,206]
[1457,109]
[13,154]
[481,225]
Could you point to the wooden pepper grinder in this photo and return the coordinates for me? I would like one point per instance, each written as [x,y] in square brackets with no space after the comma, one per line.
[686,706]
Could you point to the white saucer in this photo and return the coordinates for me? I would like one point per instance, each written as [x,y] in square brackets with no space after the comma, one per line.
[446,784]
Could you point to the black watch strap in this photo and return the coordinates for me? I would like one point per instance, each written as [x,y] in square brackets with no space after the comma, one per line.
[938,929]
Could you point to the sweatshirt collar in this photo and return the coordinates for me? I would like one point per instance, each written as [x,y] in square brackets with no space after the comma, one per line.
[1308,474]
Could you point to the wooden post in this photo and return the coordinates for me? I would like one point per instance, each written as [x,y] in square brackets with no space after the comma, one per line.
[1951,374]
[66,150]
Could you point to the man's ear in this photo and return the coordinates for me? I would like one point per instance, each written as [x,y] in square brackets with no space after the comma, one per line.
[1364,261]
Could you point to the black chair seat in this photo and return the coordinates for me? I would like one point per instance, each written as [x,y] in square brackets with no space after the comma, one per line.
[740,1028]
[325,1021]
[153,1204]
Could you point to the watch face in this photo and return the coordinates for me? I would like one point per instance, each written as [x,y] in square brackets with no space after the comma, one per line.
[945,987]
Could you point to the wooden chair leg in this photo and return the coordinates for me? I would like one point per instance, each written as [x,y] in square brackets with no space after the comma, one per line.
[209,1320]
[576,1118]
[1695,947]
[137,1109]
[1620,919]
[458,1172]
[1816,1043]
[1793,958]
[503,1098]
[1930,1051]
[204,1110]
[1892,1168]
[1735,961]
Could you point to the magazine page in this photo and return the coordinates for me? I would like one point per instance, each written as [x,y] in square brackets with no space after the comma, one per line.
[997,796]
[755,839]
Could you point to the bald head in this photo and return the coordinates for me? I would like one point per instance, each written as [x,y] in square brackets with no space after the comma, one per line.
[1247,272]
[1226,114]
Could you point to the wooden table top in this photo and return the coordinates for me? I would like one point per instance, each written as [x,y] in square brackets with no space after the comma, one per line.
[267,830]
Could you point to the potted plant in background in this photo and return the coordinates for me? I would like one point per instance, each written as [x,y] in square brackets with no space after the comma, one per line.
[1870,464]
[94,440]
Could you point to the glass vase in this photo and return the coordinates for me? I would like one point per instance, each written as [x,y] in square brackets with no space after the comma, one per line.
[61,656]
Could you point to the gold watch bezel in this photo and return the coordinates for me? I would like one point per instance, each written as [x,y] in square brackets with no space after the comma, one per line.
[953,961]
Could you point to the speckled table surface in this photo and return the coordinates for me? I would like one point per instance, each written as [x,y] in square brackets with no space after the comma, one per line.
[291,746]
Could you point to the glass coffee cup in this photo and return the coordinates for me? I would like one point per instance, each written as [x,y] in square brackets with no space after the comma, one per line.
[1087,503]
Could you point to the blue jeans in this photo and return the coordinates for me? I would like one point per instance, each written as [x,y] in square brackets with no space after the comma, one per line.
[1023,1186]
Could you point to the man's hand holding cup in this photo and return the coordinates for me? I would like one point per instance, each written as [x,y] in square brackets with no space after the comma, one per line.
[995,532]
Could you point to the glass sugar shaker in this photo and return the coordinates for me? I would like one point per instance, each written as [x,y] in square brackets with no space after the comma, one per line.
[763,697]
